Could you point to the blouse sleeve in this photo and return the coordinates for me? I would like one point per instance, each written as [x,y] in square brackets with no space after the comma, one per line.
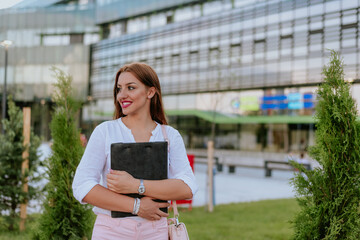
[179,164]
[88,172]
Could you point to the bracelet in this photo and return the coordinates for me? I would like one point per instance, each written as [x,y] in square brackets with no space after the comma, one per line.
[133,211]
[136,207]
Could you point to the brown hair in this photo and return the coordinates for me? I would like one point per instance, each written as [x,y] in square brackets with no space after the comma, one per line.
[145,74]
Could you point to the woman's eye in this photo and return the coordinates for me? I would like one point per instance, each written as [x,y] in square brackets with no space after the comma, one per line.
[131,88]
[118,89]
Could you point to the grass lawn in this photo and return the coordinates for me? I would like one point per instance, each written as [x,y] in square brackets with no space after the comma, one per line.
[251,221]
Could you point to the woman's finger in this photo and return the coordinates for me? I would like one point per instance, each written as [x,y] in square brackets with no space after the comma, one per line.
[110,182]
[111,186]
[162,214]
[117,172]
[110,176]
[163,205]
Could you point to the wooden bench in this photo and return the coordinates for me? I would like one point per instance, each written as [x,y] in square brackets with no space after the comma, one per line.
[219,166]
[220,163]
[276,165]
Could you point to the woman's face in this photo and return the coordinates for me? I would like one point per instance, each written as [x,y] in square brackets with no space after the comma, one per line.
[133,96]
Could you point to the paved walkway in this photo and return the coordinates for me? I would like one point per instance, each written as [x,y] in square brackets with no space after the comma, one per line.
[246,184]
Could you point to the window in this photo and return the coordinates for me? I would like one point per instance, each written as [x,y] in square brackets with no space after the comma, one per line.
[157,20]
[259,47]
[194,59]
[55,40]
[175,60]
[169,18]
[76,38]
[212,7]
[286,44]
[235,53]
[183,14]
[159,63]
[316,9]
[137,24]
[90,38]
[315,40]
[213,56]
[348,35]
[116,29]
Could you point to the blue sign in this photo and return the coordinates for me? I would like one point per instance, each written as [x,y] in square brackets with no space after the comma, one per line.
[293,101]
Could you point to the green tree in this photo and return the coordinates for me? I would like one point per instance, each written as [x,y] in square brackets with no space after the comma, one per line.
[329,195]
[11,177]
[64,217]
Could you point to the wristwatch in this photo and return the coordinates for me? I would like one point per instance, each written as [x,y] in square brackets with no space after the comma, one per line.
[141,189]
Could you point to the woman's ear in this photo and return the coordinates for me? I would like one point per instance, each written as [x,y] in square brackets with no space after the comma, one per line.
[151,92]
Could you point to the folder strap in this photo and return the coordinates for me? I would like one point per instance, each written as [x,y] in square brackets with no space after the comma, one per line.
[165,136]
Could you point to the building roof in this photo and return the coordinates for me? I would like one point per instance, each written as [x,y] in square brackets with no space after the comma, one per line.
[237,119]
[35,3]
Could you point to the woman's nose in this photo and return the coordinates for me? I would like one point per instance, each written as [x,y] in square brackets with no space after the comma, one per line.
[122,94]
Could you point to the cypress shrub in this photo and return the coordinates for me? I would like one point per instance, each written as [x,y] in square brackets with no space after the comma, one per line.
[11,177]
[329,195]
[64,217]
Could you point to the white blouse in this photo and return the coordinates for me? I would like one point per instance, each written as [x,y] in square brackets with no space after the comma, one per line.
[95,163]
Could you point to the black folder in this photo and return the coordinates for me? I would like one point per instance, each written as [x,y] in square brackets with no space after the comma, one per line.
[145,160]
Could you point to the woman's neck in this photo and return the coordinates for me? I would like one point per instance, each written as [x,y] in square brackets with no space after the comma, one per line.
[141,128]
[139,122]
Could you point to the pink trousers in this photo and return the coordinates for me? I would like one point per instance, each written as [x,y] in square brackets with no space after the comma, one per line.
[108,228]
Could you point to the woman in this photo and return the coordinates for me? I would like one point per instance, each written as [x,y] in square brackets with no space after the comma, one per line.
[138,117]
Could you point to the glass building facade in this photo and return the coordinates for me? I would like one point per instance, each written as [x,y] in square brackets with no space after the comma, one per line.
[256,63]
[225,47]
[46,35]
[249,66]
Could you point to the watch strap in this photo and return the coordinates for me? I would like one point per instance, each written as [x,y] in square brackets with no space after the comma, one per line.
[141,189]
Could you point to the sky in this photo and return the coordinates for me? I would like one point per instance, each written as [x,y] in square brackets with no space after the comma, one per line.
[8,3]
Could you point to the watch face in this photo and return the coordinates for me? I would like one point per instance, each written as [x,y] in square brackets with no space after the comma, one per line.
[141,190]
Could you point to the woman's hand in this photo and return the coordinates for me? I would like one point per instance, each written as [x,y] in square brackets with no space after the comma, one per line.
[122,182]
[151,210]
